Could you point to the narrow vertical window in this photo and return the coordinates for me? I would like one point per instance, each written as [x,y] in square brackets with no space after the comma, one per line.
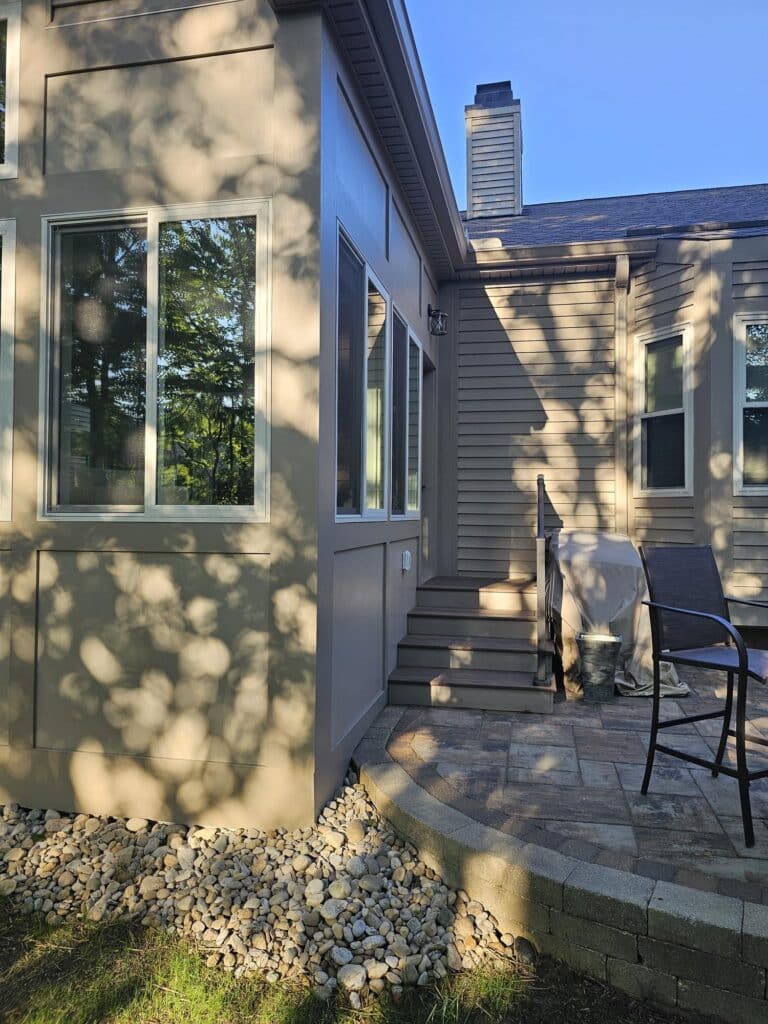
[100,299]
[10,17]
[376,399]
[205,362]
[753,405]
[399,414]
[349,395]
[663,427]
[414,426]
[7,255]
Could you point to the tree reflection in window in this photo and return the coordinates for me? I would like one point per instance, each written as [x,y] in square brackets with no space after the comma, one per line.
[206,339]
[101,297]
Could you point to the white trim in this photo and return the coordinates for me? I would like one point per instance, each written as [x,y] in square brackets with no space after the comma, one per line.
[261,209]
[7,332]
[11,12]
[740,323]
[684,331]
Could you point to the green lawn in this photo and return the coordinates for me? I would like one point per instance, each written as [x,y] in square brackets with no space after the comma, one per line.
[123,974]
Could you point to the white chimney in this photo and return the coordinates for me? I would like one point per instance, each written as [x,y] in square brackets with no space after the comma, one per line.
[494,152]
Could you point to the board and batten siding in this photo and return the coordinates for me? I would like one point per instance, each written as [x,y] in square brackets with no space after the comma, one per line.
[535,394]
[662,297]
[749,565]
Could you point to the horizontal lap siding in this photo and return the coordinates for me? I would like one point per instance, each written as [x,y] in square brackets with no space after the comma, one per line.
[535,395]
[749,567]
[662,298]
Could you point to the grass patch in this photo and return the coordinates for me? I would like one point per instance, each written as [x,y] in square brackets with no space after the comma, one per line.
[123,974]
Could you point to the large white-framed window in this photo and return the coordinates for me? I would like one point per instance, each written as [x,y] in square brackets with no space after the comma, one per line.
[750,403]
[7,330]
[156,359]
[362,388]
[10,34]
[406,420]
[663,428]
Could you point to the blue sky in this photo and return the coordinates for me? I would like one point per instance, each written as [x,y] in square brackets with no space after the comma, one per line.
[616,97]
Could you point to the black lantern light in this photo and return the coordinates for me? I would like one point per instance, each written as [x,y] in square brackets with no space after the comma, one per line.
[438,322]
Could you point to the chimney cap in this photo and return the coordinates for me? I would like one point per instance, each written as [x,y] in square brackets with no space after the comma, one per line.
[494,94]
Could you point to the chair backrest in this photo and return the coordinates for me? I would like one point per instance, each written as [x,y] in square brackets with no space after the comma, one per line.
[685,577]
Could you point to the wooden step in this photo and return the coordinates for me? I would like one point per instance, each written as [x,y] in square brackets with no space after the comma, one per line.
[485,653]
[511,594]
[475,622]
[470,688]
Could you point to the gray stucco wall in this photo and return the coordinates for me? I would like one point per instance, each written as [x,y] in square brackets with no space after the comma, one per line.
[363,593]
[167,669]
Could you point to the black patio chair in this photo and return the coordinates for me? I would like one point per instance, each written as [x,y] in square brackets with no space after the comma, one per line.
[691,625]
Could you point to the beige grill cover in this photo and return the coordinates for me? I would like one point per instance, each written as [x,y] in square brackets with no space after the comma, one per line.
[596,584]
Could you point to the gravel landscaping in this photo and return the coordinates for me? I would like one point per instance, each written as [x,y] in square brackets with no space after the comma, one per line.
[346,904]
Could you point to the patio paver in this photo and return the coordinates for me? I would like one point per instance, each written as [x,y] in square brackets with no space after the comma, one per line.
[570,782]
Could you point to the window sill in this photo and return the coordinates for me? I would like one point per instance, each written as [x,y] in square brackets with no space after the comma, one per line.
[751,492]
[663,492]
[172,516]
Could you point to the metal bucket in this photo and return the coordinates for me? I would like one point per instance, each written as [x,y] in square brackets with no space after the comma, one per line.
[598,656]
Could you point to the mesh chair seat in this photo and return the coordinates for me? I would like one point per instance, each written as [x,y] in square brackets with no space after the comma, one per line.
[690,619]
[725,658]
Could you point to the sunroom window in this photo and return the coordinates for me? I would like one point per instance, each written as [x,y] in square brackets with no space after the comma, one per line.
[362,389]
[751,402]
[406,421]
[157,364]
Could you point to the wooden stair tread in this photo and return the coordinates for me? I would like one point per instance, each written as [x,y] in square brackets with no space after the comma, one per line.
[465,677]
[472,613]
[468,643]
[511,584]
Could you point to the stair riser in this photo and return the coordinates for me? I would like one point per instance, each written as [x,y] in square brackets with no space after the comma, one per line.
[443,657]
[501,629]
[483,698]
[498,601]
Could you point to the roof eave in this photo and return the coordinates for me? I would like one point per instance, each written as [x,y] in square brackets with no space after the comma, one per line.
[388,33]
[504,256]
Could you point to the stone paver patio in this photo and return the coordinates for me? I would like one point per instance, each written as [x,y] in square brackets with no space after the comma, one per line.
[570,781]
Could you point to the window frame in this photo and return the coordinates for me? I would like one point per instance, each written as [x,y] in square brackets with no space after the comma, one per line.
[151,511]
[370,278]
[7,338]
[642,341]
[10,11]
[413,514]
[739,330]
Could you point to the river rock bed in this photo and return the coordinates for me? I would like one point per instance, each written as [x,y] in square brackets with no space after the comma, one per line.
[345,904]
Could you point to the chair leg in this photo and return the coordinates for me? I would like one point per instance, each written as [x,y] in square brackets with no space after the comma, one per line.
[654,726]
[741,761]
[726,726]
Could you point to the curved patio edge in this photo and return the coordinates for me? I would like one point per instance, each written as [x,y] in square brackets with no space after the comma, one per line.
[697,952]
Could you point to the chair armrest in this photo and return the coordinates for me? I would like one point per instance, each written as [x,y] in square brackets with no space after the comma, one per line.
[727,626]
[742,600]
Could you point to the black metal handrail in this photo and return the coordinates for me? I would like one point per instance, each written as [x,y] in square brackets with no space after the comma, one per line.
[541,493]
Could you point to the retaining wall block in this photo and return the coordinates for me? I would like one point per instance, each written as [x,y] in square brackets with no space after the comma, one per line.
[725,1006]
[696,919]
[600,937]
[610,897]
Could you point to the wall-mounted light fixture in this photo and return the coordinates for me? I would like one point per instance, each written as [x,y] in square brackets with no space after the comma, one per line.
[438,322]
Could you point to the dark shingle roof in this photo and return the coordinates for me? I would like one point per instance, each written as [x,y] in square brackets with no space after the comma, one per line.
[615,217]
